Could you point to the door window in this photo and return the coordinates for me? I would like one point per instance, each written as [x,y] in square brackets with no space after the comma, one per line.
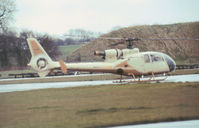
[146,58]
[155,58]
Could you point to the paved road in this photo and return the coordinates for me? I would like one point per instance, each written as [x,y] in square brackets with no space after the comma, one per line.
[34,86]
[176,124]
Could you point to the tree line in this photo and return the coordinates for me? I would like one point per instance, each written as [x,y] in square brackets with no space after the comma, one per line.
[14,50]
[78,36]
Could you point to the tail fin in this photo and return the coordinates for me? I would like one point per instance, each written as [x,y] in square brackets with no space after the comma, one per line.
[40,60]
[35,48]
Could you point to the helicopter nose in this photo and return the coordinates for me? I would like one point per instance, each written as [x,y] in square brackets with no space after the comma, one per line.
[171,63]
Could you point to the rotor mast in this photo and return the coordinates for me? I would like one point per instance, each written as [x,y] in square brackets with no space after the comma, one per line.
[130,42]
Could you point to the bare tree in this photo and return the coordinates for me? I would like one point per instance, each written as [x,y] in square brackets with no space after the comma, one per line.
[7,9]
[82,35]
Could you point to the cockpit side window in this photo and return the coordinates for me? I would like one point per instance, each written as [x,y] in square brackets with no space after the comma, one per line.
[146,58]
[155,58]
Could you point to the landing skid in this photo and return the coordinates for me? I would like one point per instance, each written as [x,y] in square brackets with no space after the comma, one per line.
[137,80]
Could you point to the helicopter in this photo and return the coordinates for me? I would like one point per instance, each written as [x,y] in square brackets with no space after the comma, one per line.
[129,61]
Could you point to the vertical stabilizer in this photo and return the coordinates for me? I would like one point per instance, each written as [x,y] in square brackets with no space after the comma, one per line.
[36,48]
[40,60]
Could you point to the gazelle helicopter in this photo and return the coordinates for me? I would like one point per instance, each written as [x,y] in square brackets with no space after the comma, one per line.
[129,61]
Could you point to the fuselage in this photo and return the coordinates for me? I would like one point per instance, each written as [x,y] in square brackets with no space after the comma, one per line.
[138,63]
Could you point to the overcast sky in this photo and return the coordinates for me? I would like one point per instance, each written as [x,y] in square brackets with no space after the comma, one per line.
[58,16]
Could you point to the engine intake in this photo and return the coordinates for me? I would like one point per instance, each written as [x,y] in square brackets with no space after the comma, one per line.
[99,53]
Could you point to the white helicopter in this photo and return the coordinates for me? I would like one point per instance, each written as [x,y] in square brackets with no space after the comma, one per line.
[130,61]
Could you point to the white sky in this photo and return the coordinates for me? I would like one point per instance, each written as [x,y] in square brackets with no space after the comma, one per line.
[58,16]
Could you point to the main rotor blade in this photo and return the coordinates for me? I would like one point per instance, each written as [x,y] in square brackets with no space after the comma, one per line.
[136,39]
[111,38]
[169,38]
[132,38]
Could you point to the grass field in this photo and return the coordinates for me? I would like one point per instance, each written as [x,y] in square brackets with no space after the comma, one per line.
[66,50]
[98,106]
